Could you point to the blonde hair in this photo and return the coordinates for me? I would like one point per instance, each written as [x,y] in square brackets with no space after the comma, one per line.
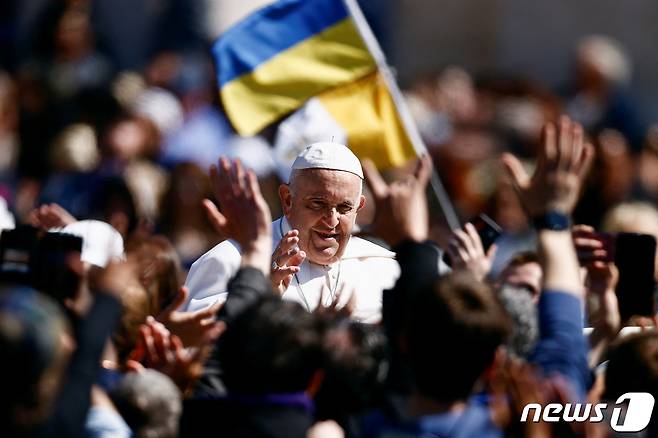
[632,217]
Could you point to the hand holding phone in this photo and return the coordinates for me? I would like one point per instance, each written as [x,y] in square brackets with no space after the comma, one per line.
[471,248]
[634,255]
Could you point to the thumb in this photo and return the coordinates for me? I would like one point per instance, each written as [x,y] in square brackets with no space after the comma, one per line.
[424,169]
[515,170]
[491,252]
[217,219]
[374,179]
[181,297]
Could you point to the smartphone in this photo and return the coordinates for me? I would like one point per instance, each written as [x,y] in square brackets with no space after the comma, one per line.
[487,229]
[634,255]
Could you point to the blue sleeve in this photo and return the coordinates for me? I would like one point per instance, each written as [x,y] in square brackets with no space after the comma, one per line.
[562,347]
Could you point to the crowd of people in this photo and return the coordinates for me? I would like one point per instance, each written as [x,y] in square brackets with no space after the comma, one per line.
[147,291]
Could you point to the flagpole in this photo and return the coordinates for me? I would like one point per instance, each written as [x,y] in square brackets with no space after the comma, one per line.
[412,131]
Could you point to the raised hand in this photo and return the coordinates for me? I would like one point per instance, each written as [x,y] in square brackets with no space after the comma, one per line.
[590,246]
[467,253]
[331,307]
[564,160]
[157,348]
[401,207]
[245,216]
[191,327]
[285,261]
[50,216]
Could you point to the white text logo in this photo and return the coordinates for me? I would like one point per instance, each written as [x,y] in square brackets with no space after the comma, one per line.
[638,412]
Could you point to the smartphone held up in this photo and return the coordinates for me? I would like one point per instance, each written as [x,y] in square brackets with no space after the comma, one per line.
[634,255]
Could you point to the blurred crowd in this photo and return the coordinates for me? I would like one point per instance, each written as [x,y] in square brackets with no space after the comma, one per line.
[127,136]
[114,146]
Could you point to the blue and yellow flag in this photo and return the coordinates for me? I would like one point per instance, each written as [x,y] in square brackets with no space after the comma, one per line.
[274,61]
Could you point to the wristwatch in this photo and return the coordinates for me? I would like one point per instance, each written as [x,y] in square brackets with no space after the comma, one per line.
[552,220]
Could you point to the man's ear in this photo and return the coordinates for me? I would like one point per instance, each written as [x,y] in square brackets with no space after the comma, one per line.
[285,196]
[362,203]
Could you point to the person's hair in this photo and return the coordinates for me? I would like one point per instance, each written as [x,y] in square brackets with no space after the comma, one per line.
[274,346]
[452,329]
[632,365]
[160,270]
[113,196]
[355,368]
[522,258]
[150,403]
[628,216]
[135,310]
[523,314]
[34,359]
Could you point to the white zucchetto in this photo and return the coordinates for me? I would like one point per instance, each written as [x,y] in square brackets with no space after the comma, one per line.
[326,155]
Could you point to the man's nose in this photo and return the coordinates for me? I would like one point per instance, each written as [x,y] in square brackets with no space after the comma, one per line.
[331,217]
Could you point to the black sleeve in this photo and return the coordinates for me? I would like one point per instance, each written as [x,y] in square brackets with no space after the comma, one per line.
[75,397]
[248,285]
[419,267]
[244,289]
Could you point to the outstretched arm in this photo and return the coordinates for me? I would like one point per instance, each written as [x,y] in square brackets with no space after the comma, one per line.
[549,197]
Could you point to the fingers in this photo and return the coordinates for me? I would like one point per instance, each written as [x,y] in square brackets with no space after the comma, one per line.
[286,258]
[424,170]
[287,242]
[350,306]
[161,341]
[252,187]
[134,366]
[467,243]
[210,312]
[286,281]
[582,228]
[516,172]
[217,220]
[475,240]
[578,145]
[573,154]
[590,247]
[374,179]
[549,155]
[236,177]
[230,179]
[324,292]
[565,143]
[584,164]
[287,253]
[146,337]
[297,259]
[491,253]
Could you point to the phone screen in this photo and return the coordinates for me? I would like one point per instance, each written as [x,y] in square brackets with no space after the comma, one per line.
[635,258]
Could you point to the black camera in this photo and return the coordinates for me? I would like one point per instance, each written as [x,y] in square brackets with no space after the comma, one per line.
[41,260]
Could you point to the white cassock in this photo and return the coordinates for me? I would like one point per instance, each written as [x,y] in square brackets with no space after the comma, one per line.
[365,268]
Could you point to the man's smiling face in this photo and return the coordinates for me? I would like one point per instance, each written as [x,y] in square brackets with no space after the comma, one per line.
[322,204]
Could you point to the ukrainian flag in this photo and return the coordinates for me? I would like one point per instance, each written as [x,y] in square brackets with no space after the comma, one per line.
[274,61]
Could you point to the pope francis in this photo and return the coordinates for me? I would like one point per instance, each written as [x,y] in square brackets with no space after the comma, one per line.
[313,246]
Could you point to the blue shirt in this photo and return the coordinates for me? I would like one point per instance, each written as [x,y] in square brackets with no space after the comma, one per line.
[562,347]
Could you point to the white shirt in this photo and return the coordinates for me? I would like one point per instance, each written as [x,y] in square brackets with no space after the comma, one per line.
[365,268]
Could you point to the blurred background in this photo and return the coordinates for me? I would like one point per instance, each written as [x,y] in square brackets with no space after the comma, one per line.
[109,107]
